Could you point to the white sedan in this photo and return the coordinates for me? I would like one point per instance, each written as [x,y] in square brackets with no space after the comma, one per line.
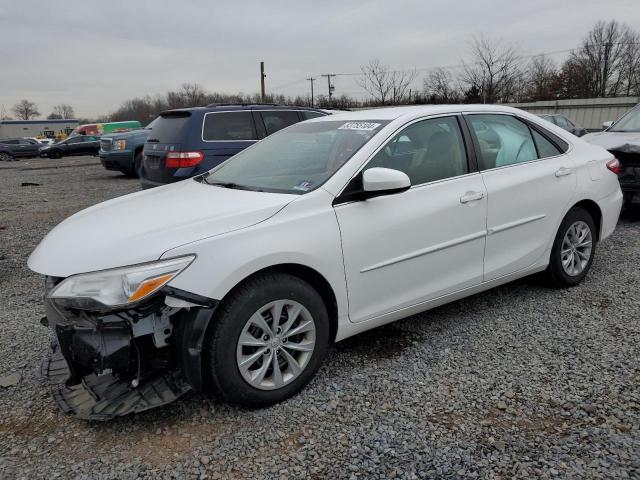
[236,281]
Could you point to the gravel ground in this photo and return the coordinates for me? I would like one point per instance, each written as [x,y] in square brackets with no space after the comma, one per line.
[519,382]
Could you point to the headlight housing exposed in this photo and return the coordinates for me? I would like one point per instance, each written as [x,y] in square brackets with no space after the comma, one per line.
[119,145]
[118,287]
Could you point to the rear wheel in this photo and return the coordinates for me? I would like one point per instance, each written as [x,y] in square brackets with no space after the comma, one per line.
[573,249]
[266,341]
[5,157]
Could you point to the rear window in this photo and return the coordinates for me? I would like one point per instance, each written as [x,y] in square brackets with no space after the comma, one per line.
[228,126]
[169,127]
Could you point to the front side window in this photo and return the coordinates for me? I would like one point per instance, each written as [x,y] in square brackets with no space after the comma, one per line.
[296,160]
[277,120]
[72,140]
[228,126]
[426,151]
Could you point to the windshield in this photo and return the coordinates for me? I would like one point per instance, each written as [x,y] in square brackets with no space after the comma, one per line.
[628,123]
[152,123]
[297,159]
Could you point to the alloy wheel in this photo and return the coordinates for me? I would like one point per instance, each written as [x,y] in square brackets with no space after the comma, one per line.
[276,344]
[576,248]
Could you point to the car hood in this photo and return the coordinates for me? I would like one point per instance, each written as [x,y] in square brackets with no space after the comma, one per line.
[141,226]
[628,142]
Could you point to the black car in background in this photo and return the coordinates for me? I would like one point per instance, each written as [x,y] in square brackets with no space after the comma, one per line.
[190,141]
[566,124]
[16,148]
[77,145]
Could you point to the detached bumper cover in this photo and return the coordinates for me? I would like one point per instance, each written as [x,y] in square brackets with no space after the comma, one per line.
[103,365]
[107,396]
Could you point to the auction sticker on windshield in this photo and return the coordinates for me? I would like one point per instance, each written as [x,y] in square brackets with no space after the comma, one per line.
[366,126]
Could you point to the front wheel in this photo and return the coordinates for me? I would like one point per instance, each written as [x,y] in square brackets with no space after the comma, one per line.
[267,341]
[5,157]
[573,249]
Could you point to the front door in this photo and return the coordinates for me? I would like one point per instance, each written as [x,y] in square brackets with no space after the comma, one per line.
[407,248]
[529,181]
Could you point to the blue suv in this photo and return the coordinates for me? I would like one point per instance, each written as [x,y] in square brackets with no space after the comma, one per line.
[189,141]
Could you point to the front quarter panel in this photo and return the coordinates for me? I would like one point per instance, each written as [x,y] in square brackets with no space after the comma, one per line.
[305,232]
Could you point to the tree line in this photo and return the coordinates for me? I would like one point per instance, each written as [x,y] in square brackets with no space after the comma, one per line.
[605,64]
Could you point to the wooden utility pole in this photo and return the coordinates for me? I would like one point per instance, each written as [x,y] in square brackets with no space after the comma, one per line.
[331,87]
[262,76]
[311,79]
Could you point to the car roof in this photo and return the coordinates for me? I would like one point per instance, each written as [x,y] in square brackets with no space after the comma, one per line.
[393,113]
[227,107]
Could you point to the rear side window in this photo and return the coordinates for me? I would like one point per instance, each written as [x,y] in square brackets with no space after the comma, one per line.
[278,119]
[228,126]
[503,140]
[309,115]
[169,127]
[545,147]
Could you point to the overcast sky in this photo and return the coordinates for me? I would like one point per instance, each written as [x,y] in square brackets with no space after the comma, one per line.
[95,54]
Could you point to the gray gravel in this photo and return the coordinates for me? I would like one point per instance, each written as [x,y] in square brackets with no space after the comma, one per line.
[519,382]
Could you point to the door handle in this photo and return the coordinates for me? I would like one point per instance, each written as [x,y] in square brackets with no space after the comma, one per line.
[471,197]
[563,171]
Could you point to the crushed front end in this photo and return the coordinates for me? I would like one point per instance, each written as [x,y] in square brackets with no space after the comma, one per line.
[629,176]
[105,363]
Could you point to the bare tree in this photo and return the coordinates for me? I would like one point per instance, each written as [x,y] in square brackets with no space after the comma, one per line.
[386,85]
[25,110]
[494,70]
[63,111]
[438,87]
[601,55]
[630,64]
[193,94]
[541,75]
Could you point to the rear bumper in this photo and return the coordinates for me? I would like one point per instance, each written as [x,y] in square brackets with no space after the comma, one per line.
[120,161]
[610,207]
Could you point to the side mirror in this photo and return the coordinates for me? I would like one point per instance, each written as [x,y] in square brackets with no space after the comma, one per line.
[384,181]
[607,125]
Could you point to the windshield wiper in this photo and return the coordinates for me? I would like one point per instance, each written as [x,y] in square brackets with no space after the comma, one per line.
[230,185]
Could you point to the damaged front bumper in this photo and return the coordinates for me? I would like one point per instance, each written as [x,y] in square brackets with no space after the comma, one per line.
[629,176]
[108,364]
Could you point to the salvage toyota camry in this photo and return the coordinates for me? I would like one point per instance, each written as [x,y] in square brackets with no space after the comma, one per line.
[236,281]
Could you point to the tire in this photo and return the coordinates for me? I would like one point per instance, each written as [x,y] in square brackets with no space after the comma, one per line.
[55,155]
[570,273]
[5,157]
[137,164]
[251,305]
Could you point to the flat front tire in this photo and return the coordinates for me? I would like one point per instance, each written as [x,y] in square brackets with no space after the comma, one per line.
[266,341]
[573,249]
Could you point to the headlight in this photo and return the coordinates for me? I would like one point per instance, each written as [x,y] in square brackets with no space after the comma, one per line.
[118,287]
[119,144]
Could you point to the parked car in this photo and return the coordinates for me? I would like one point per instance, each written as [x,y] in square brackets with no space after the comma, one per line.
[622,139]
[566,124]
[16,148]
[42,141]
[122,152]
[236,281]
[78,145]
[190,141]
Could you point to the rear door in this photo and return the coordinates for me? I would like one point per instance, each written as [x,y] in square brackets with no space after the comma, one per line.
[529,182]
